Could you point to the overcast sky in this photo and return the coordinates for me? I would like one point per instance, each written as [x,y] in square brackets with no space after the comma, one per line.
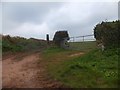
[36,19]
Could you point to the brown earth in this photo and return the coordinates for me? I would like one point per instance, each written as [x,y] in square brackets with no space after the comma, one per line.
[26,70]
[76,54]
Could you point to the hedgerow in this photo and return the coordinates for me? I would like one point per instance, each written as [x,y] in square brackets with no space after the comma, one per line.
[108,33]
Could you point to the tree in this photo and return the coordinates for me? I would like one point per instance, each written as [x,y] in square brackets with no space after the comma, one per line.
[60,37]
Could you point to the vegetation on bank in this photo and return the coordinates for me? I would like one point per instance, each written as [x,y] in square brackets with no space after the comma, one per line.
[17,44]
[108,34]
[94,69]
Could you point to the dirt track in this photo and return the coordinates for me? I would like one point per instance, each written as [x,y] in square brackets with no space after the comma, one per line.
[26,71]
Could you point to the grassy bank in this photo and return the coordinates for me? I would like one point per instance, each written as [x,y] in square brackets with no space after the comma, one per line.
[18,44]
[93,69]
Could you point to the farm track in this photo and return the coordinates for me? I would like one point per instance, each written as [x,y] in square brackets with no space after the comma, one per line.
[26,71]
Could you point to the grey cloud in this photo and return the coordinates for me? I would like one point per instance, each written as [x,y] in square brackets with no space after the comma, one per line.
[29,11]
[119,10]
[77,18]
[0,18]
[99,12]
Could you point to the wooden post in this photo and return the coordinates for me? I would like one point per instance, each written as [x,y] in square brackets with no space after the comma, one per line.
[83,38]
[47,37]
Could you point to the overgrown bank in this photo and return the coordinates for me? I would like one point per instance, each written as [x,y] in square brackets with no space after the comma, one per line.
[17,44]
[95,69]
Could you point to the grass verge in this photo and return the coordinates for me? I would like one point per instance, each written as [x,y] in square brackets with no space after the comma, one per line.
[95,69]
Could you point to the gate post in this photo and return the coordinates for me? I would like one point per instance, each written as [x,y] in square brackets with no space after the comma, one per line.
[83,38]
[47,38]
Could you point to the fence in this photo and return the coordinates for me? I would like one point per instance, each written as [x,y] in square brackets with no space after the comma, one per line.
[83,43]
[82,38]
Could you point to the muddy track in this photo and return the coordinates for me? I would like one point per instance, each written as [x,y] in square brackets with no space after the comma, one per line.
[26,71]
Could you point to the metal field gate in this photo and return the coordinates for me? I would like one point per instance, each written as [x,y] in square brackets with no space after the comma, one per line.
[82,43]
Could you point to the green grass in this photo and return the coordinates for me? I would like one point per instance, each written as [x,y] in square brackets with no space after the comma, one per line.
[57,54]
[18,44]
[95,69]
[83,46]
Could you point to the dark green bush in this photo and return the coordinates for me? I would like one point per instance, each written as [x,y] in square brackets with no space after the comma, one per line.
[60,36]
[108,33]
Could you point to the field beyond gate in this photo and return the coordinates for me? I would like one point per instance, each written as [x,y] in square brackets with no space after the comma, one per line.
[83,46]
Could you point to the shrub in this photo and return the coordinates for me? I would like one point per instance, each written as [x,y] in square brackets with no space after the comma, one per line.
[60,36]
[107,33]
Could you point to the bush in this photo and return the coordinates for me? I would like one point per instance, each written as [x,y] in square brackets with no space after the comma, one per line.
[107,33]
[60,36]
